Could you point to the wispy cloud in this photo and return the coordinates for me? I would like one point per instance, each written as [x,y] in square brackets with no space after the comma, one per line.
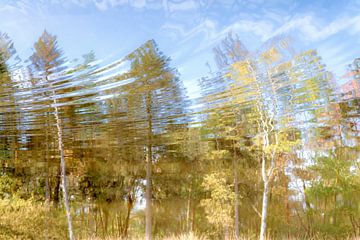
[166,5]
[309,29]
[21,7]
[211,32]
[104,5]
[180,6]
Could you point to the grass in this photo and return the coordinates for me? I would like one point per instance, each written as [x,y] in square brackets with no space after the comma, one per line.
[193,236]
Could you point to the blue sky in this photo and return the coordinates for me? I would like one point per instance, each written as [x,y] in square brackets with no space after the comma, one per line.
[185,30]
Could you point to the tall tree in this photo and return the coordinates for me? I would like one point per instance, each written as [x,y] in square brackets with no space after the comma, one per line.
[150,98]
[255,77]
[8,112]
[47,60]
[229,51]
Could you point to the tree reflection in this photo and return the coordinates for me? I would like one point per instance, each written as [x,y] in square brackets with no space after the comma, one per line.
[270,145]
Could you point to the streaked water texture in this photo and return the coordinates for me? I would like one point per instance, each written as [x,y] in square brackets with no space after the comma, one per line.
[266,143]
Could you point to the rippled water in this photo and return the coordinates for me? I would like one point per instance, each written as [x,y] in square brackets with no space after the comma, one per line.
[142,151]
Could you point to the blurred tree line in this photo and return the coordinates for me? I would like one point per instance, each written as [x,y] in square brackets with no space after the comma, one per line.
[86,150]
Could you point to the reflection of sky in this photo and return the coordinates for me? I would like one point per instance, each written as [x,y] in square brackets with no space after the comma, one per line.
[185,30]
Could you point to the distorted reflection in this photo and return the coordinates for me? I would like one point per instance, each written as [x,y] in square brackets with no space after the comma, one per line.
[94,150]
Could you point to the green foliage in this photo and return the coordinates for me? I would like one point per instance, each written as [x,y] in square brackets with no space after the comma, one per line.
[335,194]
[9,186]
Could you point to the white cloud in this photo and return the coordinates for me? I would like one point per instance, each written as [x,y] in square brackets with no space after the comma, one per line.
[180,6]
[103,5]
[6,8]
[167,5]
[311,32]
[261,28]
[211,33]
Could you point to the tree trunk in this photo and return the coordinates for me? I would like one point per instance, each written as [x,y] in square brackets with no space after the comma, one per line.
[266,176]
[308,211]
[335,210]
[62,164]
[188,211]
[57,187]
[127,220]
[148,196]
[226,232]
[102,226]
[148,193]
[47,183]
[236,190]
[264,210]
[325,209]
[106,220]
[63,171]
[193,217]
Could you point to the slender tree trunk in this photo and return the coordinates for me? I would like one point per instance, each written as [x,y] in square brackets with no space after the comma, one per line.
[226,232]
[57,186]
[120,225]
[102,222]
[47,183]
[325,209]
[264,210]
[266,177]
[127,220]
[188,211]
[335,209]
[192,229]
[304,226]
[307,210]
[148,193]
[63,171]
[287,207]
[263,126]
[148,196]
[62,164]
[267,173]
[265,180]
[236,190]
[106,220]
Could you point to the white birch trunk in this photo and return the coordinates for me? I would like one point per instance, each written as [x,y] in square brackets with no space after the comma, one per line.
[63,172]
[264,211]
[62,165]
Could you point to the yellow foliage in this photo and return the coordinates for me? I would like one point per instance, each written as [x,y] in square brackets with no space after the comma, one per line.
[272,55]
[27,219]
[218,207]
